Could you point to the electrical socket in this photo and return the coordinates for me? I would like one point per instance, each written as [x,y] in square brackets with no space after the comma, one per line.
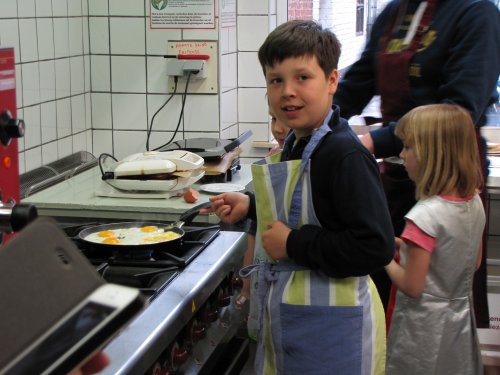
[206,80]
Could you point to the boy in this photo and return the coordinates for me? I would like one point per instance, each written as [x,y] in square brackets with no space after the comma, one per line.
[322,220]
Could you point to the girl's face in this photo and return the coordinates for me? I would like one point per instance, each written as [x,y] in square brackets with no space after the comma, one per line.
[279,130]
[299,93]
[409,157]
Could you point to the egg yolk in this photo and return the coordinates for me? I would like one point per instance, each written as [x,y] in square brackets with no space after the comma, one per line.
[149,229]
[106,233]
[111,241]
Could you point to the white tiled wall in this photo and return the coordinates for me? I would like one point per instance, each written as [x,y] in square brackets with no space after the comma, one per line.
[91,76]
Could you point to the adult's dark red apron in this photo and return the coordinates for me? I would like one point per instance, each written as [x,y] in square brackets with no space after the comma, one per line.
[393,84]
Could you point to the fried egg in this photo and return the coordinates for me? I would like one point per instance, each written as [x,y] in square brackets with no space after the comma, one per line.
[132,236]
[106,233]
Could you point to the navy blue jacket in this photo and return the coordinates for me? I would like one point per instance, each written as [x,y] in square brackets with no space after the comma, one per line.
[461,65]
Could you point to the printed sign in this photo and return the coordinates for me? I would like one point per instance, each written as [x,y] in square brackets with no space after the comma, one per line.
[182,14]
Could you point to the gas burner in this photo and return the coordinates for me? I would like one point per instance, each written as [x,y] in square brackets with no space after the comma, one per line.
[148,269]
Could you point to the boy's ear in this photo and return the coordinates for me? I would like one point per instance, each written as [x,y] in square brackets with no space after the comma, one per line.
[333,81]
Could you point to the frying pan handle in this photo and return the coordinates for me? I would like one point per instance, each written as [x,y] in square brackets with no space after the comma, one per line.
[190,214]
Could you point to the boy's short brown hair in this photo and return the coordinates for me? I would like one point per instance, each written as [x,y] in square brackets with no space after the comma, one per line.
[301,38]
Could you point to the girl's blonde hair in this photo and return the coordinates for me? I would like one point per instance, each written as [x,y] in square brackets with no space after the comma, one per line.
[445,145]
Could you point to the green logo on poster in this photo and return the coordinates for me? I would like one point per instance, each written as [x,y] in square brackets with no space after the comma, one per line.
[159,4]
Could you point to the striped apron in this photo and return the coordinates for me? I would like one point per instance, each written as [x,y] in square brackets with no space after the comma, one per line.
[307,323]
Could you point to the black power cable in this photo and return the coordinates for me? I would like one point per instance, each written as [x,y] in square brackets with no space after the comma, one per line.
[184,96]
[158,111]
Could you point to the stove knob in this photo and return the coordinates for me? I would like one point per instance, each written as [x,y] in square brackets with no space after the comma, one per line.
[179,356]
[237,282]
[224,298]
[10,128]
[199,331]
[209,314]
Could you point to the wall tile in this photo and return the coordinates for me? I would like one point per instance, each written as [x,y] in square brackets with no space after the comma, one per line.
[49,153]
[48,121]
[75,26]
[9,36]
[32,135]
[28,43]
[60,8]
[26,8]
[126,143]
[86,70]
[102,142]
[63,113]
[88,111]
[101,111]
[63,77]
[33,158]
[8,9]
[252,105]
[252,30]
[157,75]
[43,8]
[228,69]
[98,7]
[100,73]
[45,33]
[30,84]
[19,86]
[128,74]
[75,8]
[77,75]
[260,130]
[127,36]
[79,141]
[99,35]
[22,165]
[126,8]
[20,141]
[168,117]
[61,41]
[229,109]
[129,112]
[200,34]
[249,70]
[253,7]
[86,47]
[77,113]
[64,147]
[157,39]
[47,80]
[201,113]
[160,138]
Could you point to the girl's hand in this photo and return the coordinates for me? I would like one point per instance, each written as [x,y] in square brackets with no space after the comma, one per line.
[229,207]
[274,240]
[94,365]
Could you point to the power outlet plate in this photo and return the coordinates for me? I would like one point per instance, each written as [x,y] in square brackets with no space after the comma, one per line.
[208,85]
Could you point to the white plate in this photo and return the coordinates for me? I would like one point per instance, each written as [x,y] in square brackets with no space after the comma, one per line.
[221,188]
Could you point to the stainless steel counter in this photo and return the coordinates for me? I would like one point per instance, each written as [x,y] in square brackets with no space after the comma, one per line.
[78,197]
[140,344]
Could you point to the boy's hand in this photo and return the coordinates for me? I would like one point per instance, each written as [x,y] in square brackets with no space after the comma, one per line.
[274,240]
[229,207]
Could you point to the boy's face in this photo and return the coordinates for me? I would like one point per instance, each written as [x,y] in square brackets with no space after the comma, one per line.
[299,94]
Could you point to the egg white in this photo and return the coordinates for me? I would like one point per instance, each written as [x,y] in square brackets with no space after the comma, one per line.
[135,236]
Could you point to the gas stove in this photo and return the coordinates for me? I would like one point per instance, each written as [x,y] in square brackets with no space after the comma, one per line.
[190,324]
[150,270]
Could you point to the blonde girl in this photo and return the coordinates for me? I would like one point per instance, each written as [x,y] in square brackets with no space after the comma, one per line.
[433,329]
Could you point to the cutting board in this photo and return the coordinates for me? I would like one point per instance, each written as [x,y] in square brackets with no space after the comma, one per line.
[213,168]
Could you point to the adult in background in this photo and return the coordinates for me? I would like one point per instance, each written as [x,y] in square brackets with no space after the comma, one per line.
[424,52]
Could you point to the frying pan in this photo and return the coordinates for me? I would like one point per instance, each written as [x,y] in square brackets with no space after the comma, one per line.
[176,227]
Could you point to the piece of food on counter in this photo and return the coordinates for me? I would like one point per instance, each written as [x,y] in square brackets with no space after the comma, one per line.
[191,195]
